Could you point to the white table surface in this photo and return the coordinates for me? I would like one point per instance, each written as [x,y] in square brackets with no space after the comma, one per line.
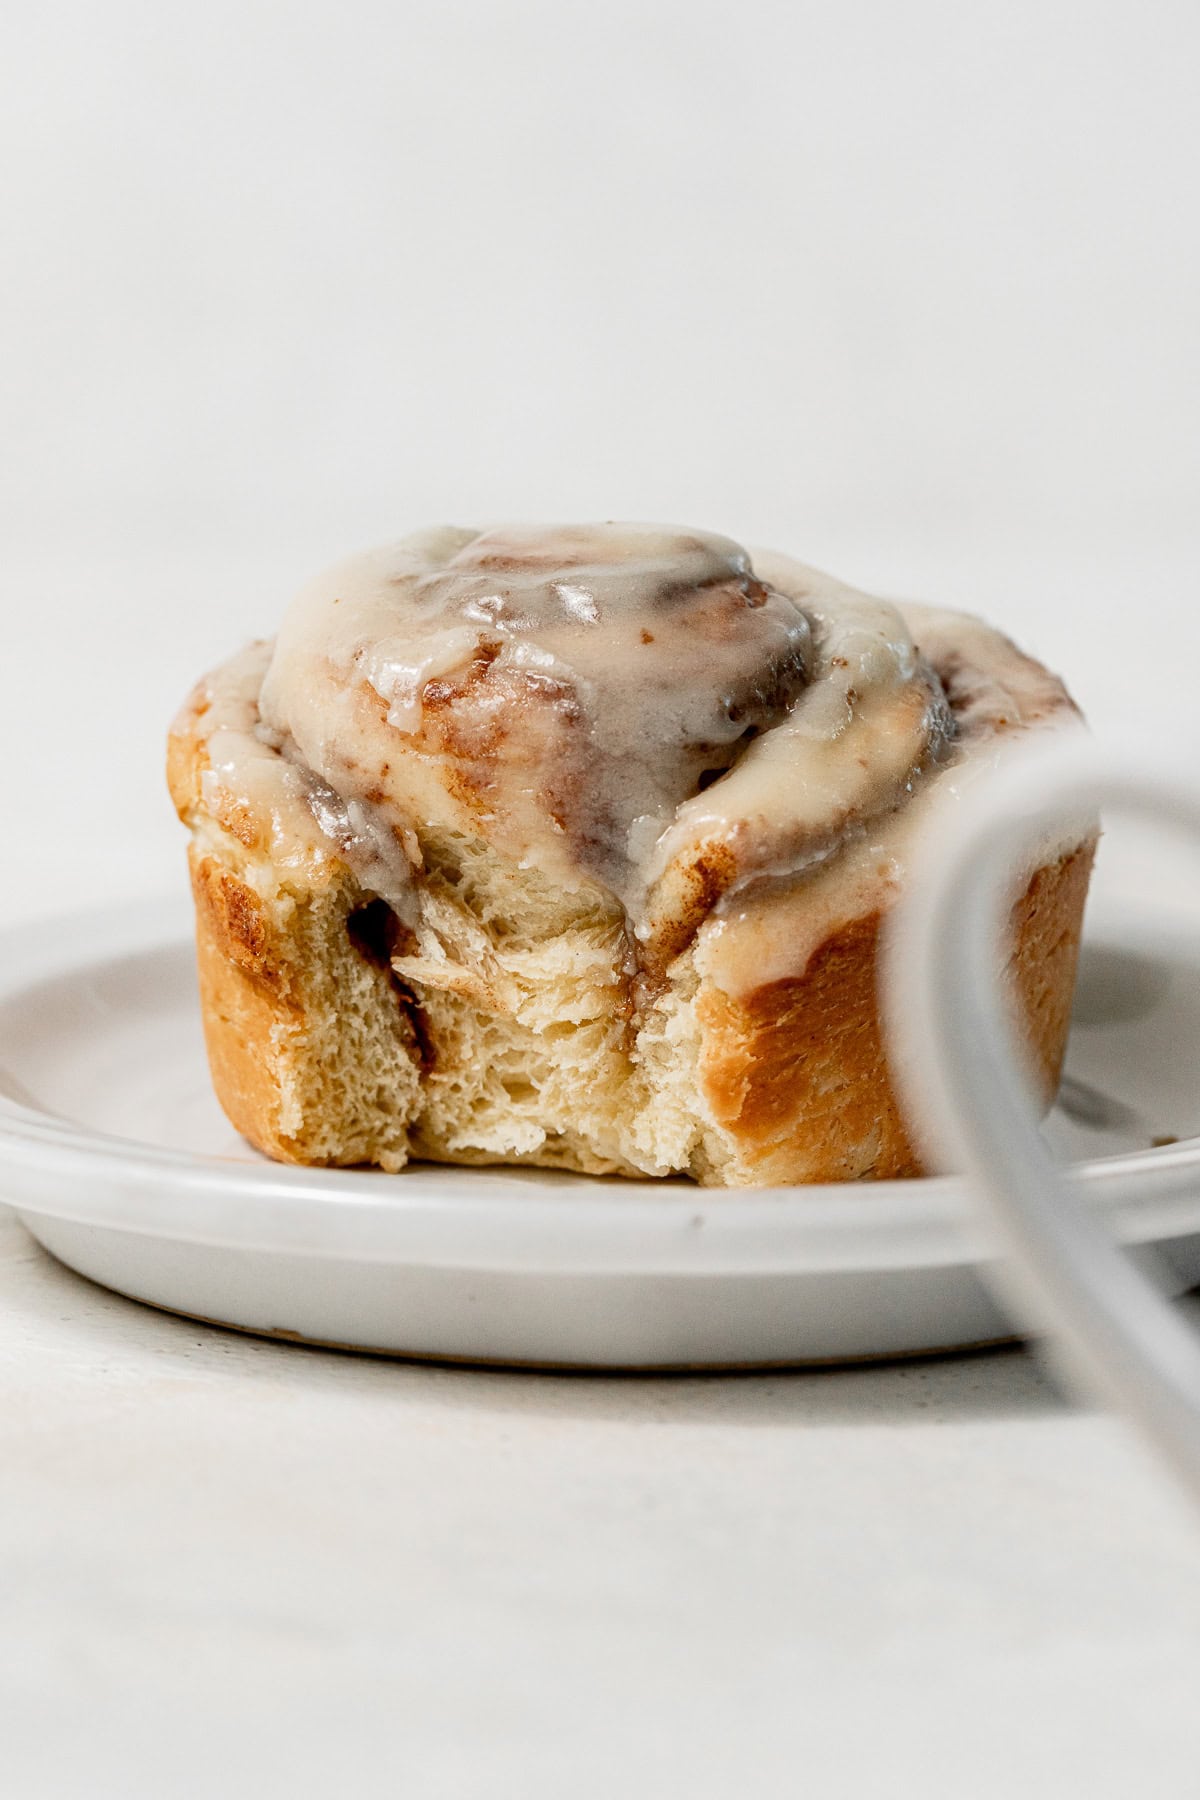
[237,1568]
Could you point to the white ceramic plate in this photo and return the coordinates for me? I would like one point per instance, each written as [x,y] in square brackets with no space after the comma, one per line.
[115,1154]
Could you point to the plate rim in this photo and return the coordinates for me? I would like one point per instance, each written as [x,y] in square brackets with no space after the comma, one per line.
[501,1217]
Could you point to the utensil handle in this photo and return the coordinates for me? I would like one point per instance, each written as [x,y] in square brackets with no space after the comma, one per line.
[957,1065]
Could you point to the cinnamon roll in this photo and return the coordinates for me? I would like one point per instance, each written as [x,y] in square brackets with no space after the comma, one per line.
[570,845]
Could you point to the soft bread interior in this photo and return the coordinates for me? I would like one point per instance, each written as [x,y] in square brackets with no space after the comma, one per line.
[523,988]
[500,1027]
[497,1028]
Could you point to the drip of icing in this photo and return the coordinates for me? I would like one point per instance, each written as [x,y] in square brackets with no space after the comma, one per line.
[253,777]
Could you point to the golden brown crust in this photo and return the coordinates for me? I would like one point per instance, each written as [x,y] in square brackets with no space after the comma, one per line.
[246,998]
[316,1050]
[249,1005]
[312,1044]
[796,1073]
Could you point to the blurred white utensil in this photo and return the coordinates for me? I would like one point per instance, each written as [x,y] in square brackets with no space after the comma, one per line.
[959,1070]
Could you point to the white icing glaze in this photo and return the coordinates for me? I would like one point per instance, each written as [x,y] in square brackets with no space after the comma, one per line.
[306,824]
[727,746]
[594,675]
[872,719]
[770,932]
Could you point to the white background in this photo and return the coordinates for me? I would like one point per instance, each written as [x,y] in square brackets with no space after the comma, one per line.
[909,289]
